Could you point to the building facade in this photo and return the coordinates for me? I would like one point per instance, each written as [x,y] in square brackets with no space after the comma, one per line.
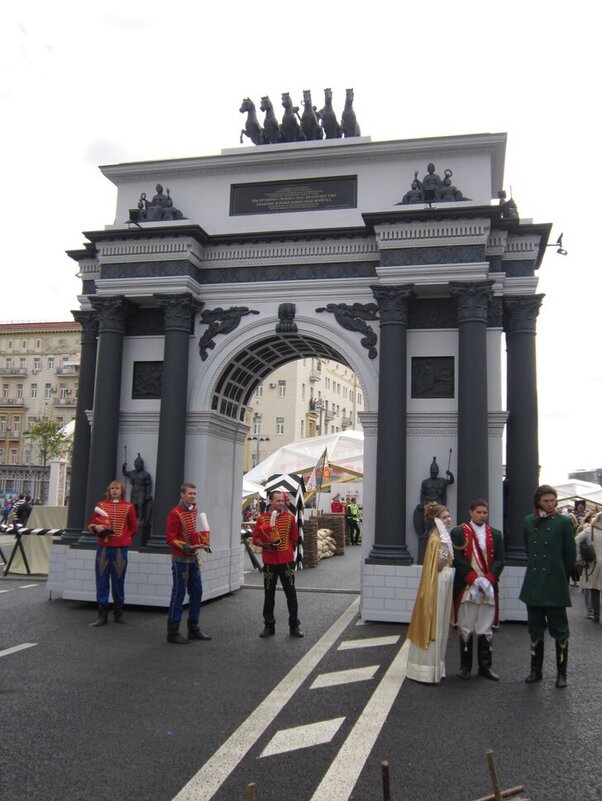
[39,372]
[305,398]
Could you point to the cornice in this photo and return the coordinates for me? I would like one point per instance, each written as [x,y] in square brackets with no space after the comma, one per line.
[434,275]
[433,233]
[214,425]
[167,248]
[276,253]
[445,424]
[526,285]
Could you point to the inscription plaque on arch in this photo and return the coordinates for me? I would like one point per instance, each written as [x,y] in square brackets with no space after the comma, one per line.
[313,194]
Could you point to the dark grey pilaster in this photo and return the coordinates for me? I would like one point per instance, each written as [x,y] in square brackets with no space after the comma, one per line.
[77,514]
[472,302]
[112,313]
[178,310]
[522,450]
[390,514]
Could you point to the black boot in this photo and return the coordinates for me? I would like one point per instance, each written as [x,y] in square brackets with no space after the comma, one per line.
[118,613]
[103,616]
[194,632]
[536,662]
[173,634]
[268,631]
[595,604]
[562,654]
[485,657]
[465,658]
[296,631]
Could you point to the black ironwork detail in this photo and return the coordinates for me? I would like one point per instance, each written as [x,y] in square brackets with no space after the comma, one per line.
[353,318]
[220,321]
[286,317]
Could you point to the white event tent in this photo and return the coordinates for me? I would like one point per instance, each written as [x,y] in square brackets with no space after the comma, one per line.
[579,490]
[344,451]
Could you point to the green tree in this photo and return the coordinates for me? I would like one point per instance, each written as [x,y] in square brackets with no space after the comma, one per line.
[46,434]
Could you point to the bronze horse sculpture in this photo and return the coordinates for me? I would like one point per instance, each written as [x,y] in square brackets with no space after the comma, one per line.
[252,127]
[310,124]
[271,126]
[348,120]
[290,128]
[330,124]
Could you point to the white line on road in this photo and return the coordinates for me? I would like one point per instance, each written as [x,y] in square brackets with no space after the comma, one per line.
[344,770]
[344,677]
[16,648]
[302,737]
[368,642]
[27,586]
[216,770]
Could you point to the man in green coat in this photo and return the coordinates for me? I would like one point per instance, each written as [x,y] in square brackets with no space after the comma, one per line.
[551,555]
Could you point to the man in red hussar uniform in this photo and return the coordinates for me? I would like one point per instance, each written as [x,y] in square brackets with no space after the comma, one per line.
[276,532]
[185,544]
[114,522]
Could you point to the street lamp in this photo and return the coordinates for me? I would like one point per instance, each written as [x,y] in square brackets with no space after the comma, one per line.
[258,440]
[319,407]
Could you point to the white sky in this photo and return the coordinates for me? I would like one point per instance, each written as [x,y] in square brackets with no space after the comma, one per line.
[89,83]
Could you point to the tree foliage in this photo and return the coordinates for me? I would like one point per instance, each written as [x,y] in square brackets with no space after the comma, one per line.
[46,435]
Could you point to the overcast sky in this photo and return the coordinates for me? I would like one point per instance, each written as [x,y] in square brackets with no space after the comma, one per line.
[89,83]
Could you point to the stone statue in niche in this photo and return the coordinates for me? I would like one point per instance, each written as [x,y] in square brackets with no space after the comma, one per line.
[160,208]
[432,489]
[141,492]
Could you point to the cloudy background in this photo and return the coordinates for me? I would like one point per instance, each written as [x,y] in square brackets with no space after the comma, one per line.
[89,83]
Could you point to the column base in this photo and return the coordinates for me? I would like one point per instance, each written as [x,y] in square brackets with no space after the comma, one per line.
[391,554]
[515,555]
[71,535]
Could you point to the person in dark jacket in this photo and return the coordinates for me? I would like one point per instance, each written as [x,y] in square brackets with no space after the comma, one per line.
[551,555]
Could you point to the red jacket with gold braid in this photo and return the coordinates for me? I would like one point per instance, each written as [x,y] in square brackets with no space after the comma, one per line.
[181,530]
[286,530]
[120,518]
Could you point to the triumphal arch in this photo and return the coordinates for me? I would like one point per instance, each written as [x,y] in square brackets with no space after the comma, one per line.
[402,259]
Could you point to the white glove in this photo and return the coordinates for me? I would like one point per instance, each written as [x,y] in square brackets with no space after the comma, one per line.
[443,533]
[273,518]
[204,523]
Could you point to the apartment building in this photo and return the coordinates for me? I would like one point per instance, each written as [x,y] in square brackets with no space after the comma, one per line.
[305,398]
[39,369]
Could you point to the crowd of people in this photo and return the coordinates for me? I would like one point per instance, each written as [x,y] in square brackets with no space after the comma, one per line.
[17,510]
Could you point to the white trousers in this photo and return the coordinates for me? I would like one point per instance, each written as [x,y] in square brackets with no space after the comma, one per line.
[475,619]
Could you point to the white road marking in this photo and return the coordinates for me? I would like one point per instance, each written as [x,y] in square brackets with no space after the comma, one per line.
[207,781]
[16,648]
[344,770]
[27,586]
[1,591]
[369,642]
[302,737]
[344,677]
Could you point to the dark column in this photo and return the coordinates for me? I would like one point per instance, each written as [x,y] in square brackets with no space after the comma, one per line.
[390,514]
[179,310]
[472,300]
[77,514]
[522,450]
[112,313]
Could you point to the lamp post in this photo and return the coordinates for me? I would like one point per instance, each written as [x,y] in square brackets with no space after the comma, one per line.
[258,440]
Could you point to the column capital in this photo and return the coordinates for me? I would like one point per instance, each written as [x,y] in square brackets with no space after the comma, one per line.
[393,302]
[89,323]
[112,313]
[178,310]
[520,313]
[472,300]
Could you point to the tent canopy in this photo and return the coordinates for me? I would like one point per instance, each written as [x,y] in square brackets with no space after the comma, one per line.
[579,490]
[345,453]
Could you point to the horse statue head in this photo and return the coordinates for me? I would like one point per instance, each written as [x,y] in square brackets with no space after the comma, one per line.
[266,104]
[247,105]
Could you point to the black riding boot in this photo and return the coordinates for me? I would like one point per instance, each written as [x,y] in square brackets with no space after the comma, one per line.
[103,615]
[595,604]
[173,634]
[194,632]
[485,657]
[562,654]
[465,658]
[118,613]
[536,662]
[268,631]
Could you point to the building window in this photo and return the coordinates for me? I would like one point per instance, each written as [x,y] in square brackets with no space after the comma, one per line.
[24,344]
[13,456]
[23,363]
[28,456]
[9,362]
[63,391]
[19,391]
[301,429]
[280,425]
[359,398]
[38,343]
[302,392]
[16,425]
[1,455]
[281,389]
[256,425]
[37,363]
[2,424]
[47,391]
[51,362]
[259,391]
[34,390]
[345,393]
[5,389]
[10,344]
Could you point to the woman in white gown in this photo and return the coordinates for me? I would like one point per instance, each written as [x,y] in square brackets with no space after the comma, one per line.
[432,615]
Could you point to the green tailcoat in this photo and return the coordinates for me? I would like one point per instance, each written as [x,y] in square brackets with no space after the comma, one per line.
[551,555]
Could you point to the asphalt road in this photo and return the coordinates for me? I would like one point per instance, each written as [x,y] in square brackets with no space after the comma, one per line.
[115,713]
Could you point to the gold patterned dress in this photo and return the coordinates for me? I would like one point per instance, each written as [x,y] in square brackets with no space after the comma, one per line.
[432,615]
